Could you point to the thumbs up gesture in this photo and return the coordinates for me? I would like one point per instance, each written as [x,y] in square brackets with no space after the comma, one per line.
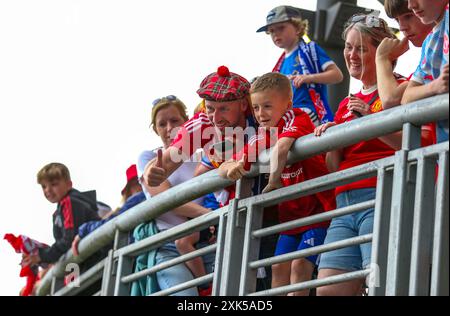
[233,170]
[154,173]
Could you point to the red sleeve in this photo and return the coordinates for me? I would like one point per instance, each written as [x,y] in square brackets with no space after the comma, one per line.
[194,134]
[255,145]
[295,124]
[342,109]
[328,200]
[431,140]
[67,212]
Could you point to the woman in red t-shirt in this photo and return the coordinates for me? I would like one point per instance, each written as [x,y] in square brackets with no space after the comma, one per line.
[362,35]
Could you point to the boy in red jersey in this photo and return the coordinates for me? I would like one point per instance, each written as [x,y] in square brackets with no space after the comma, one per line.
[271,96]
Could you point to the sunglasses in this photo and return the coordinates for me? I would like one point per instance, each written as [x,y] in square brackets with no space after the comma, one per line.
[169,97]
[369,20]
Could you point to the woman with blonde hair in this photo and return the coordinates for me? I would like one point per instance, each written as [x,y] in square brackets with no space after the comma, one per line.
[168,114]
[362,35]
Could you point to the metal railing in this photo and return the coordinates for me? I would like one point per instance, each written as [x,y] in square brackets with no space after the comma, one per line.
[409,239]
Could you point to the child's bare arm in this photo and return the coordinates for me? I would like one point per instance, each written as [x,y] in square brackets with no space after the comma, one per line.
[75,243]
[416,91]
[331,75]
[278,159]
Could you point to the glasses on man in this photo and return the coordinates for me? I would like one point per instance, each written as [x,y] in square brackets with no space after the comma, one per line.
[169,97]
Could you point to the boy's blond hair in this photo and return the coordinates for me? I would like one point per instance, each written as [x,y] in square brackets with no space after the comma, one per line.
[200,107]
[301,25]
[53,171]
[272,81]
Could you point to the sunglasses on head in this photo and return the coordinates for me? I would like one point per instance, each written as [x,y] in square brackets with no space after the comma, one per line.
[369,20]
[169,97]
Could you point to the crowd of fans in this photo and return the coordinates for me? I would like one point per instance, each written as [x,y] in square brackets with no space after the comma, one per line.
[273,111]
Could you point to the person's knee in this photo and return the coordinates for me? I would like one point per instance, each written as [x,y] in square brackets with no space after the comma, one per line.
[300,266]
[278,268]
[328,290]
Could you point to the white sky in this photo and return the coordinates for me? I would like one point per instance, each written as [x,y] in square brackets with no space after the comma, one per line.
[77,79]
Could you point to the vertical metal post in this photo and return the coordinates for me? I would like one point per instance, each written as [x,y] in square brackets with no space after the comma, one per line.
[219,256]
[251,249]
[107,282]
[380,241]
[57,284]
[232,252]
[402,215]
[419,282]
[412,137]
[440,262]
[124,266]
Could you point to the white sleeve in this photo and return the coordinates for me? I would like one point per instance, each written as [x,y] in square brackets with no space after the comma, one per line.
[143,159]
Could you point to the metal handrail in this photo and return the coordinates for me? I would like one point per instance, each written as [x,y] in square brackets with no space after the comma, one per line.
[313,219]
[315,283]
[311,251]
[191,255]
[369,127]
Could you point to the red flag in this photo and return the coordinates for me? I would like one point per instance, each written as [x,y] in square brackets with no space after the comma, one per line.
[25,245]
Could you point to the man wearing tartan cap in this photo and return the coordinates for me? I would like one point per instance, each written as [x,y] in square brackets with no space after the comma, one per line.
[226,105]
[223,85]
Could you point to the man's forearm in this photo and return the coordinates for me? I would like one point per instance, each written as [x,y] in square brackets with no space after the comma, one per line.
[191,210]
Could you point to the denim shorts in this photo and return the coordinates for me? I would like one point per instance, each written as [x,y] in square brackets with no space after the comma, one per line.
[357,224]
[174,275]
[308,239]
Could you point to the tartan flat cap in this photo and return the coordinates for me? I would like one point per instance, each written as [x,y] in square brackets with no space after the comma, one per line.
[223,85]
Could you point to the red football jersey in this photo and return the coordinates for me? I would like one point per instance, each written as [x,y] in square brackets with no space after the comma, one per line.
[198,132]
[362,152]
[295,124]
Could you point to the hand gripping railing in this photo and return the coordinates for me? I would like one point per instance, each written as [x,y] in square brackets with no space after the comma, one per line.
[379,124]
